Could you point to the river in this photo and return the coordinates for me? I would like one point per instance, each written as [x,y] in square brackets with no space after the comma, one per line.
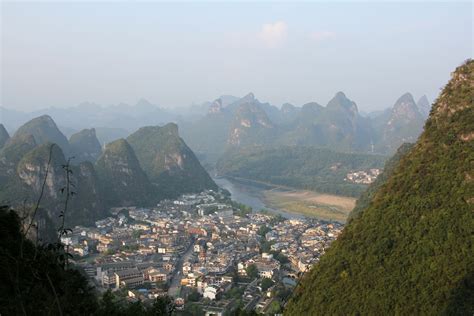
[250,193]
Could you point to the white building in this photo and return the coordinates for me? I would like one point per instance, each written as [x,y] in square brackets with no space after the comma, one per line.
[210,292]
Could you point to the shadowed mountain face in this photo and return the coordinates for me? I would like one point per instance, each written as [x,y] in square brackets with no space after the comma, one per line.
[28,167]
[123,181]
[168,161]
[116,179]
[409,252]
[85,146]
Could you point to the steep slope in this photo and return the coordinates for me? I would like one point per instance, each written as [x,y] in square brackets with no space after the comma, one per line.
[364,200]
[44,130]
[85,146]
[410,252]
[15,148]
[11,189]
[123,181]
[4,136]
[168,161]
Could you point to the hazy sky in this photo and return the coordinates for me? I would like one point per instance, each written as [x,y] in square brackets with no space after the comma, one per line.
[58,54]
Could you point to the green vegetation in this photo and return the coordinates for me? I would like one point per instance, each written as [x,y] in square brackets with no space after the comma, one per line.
[273,308]
[364,200]
[240,209]
[266,284]
[278,255]
[252,271]
[262,230]
[236,292]
[410,252]
[194,296]
[123,181]
[309,168]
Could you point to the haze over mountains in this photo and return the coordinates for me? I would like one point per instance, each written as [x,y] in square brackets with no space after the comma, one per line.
[133,164]
[241,121]
[338,125]
[34,159]
[226,135]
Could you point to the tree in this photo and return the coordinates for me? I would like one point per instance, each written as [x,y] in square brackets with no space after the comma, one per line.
[194,296]
[263,230]
[163,306]
[252,271]
[281,257]
[266,284]
[274,308]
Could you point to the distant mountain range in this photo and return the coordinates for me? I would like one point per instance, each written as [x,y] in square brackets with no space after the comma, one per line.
[248,122]
[212,127]
[152,164]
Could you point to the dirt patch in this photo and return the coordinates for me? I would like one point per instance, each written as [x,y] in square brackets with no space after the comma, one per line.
[346,203]
[312,204]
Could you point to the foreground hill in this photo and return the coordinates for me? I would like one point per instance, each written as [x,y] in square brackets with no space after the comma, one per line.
[168,161]
[410,252]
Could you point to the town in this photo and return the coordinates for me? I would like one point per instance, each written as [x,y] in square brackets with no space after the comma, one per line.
[363,176]
[207,252]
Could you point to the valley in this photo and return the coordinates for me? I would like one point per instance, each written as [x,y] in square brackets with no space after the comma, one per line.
[231,158]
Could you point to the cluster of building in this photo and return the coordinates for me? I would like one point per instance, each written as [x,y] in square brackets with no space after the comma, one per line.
[363,176]
[197,245]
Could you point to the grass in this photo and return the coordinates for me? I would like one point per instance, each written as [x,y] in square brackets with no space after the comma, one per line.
[311,204]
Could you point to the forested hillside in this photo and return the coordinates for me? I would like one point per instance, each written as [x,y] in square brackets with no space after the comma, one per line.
[410,252]
[309,168]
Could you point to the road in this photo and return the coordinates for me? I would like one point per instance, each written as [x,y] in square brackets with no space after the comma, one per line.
[175,284]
